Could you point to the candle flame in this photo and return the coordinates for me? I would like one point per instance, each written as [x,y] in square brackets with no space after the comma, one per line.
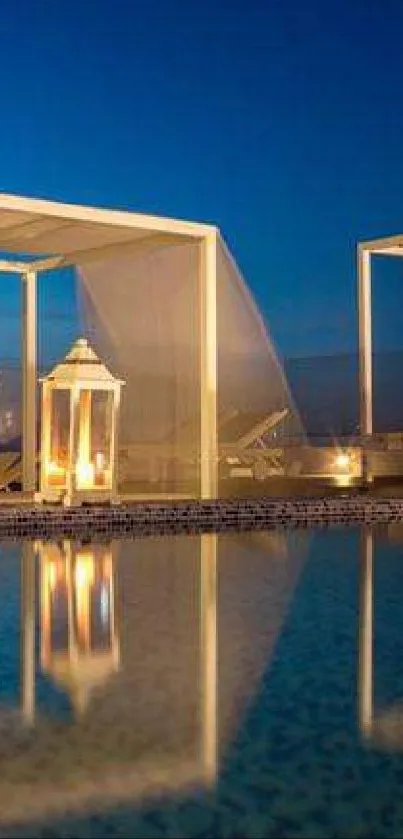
[85,474]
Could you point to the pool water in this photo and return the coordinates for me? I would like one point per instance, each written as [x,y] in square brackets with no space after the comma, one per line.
[242,685]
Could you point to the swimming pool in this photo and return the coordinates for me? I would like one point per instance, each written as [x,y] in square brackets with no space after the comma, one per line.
[232,685]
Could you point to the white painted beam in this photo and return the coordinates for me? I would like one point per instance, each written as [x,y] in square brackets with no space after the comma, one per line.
[117,218]
[7,267]
[387,251]
[383,243]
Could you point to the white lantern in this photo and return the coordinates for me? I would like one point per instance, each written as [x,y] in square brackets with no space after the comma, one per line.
[80,409]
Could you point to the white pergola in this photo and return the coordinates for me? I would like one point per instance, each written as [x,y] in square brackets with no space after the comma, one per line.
[389,246]
[55,235]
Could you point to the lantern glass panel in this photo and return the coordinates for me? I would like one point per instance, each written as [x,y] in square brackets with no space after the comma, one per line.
[95,417]
[58,461]
[102,424]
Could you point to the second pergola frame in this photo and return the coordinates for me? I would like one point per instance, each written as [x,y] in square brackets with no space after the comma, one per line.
[389,246]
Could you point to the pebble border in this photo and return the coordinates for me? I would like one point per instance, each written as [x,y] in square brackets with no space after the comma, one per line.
[159,518]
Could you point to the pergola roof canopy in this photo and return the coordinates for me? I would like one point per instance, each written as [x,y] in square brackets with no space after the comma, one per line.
[64,234]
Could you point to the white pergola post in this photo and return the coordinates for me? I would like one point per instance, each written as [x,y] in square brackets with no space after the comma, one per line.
[116,396]
[365,634]
[208,366]
[365,349]
[29,373]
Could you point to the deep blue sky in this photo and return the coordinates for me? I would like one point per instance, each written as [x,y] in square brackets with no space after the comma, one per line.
[280,120]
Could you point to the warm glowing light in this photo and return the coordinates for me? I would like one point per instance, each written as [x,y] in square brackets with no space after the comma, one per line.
[79,644]
[52,576]
[83,579]
[342,481]
[56,473]
[104,604]
[99,461]
[343,460]
[85,474]
[101,475]
[54,468]
[84,571]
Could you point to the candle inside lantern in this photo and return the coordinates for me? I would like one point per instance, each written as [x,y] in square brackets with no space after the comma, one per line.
[56,473]
[99,460]
[85,470]
[99,468]
[85,474]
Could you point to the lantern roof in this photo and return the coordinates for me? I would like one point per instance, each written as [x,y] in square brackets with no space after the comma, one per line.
[82,364]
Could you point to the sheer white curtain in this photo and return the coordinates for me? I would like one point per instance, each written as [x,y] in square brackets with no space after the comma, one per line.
[142,315]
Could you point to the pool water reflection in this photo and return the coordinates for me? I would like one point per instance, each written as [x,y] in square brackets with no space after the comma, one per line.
[203,686]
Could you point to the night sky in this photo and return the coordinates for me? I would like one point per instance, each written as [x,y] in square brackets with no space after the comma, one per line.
[279,120]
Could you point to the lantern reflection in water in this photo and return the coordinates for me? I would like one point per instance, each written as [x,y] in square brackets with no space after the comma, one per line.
[79,637]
